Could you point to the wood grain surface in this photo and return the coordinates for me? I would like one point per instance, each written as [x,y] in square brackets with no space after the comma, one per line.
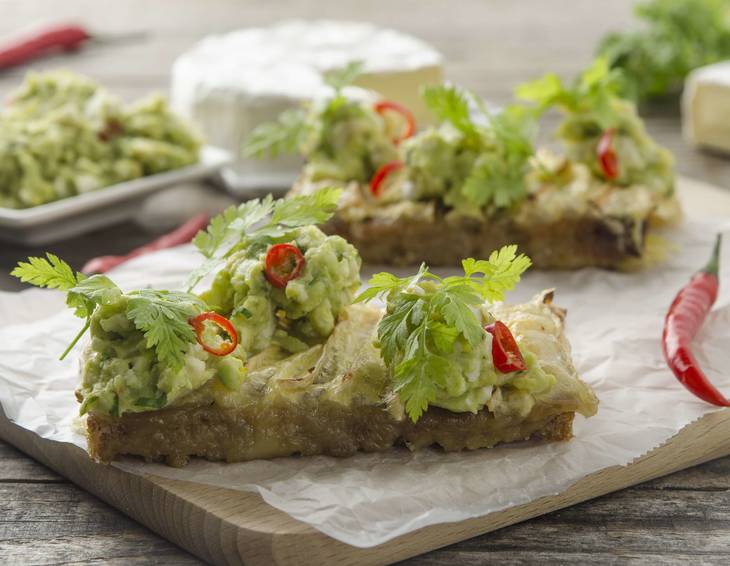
[490,47]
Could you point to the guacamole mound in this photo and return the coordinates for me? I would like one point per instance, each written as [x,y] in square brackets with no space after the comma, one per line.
[122,374]
[62,135]
[347,140]
[298,315]
[641,160]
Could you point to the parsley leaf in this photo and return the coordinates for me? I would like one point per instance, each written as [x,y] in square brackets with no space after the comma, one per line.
[592,93]
[161,315]
[290,131]
[450,104]
[286,135]
[163,318]
[340,78]
[426,315]
[83,294]
[306,209]
[90,292]
[258,221]
[50,272]
[678,36]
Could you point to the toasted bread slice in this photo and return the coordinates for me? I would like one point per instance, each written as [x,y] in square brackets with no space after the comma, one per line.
[608,231]
[335,399]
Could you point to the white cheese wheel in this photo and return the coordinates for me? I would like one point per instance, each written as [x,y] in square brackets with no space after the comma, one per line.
[228,84]
[706,107]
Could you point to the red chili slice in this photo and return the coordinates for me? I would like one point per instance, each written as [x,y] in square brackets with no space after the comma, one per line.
[506,353]
[198,324]
[284,262]
[381,174]
[409,128]
[607,155]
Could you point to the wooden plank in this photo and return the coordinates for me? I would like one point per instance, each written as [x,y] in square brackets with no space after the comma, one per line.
[223,526]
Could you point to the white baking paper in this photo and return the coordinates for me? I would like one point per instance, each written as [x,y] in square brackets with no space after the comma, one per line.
[614,324]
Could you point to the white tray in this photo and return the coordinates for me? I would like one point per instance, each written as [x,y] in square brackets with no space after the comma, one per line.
[75,215]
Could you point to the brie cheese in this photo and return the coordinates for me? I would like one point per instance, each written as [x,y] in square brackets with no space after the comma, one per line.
[706,107]
[229,84]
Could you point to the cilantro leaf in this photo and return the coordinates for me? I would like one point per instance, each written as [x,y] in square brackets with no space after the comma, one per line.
[544,91]
[427,315]
[340,78]
[454,303]
[50,272]
[232,223]
[677,36]
[307,209]
[163,318]
[83,294]
[258,221]
[286,135]
[591,93]
[91,292]
[450,104]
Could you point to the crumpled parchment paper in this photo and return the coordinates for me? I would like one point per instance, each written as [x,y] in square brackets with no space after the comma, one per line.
[614,325]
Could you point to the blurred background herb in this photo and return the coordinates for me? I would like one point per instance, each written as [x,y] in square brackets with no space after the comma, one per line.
[676,37]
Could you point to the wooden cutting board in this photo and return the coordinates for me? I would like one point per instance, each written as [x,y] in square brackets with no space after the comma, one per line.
[227,527]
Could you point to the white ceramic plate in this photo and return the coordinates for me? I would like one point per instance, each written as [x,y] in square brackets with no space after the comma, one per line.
[75,215]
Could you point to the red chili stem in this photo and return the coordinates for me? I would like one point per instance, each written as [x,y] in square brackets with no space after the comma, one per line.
[682,323]
[198,324]
[409,127]
[382,174]
[181,235]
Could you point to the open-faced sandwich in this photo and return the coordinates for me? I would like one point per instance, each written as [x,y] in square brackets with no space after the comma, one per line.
[475,183]
[278,356]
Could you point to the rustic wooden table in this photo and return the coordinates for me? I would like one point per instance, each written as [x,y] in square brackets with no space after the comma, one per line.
[490,46]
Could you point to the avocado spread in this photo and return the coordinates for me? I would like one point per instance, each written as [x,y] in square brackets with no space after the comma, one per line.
[305,310]
[121,373]
[62,134]
[346,139]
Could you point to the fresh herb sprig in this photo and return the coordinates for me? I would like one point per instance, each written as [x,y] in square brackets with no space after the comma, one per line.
[162,316]
[426,316]
[258,222]
[592,92]
[677,36]
[503,140]
[294,126]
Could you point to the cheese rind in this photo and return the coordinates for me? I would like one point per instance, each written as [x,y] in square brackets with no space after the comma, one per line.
[228,84]
[706,107]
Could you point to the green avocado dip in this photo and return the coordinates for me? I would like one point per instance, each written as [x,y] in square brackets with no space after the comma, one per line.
[62,135]
[121,374]
[594,112]
[341,136]
[303,312]
[347,140]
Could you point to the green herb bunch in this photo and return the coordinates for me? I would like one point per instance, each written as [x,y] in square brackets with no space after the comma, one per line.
[427,315]
[677,36]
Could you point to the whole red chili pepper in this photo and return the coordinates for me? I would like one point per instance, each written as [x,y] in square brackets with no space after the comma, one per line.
[607,157]
[506,353]
[683,321]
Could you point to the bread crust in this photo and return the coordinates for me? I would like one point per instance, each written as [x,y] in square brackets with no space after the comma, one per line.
[173,435]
